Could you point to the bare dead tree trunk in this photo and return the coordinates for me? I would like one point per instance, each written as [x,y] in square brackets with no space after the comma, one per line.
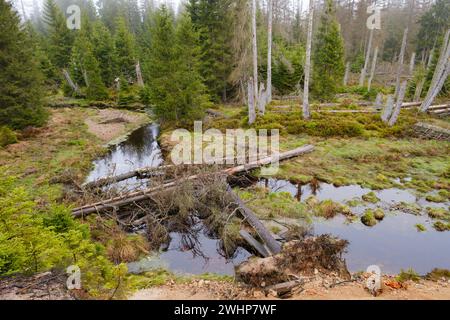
[379,101]
[440,74]
[140,80]
[401,60]
[388,109]
[262,99]
[421,84]
[255,53]
[347,73]
[69,80]
[412,64]
[86,78]
[251,103]
[398,106]
[269,50]
[374,67]
[306,111]
[362,79]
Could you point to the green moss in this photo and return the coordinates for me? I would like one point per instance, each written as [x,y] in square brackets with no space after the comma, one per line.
[368,218]
[354,203]
[371,197]
[441,226]
[275,204]
[421,228]
[438,213]
[441,196]
[379,214]
[328,209]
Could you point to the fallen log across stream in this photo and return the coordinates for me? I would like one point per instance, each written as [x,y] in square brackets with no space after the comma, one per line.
[137,196]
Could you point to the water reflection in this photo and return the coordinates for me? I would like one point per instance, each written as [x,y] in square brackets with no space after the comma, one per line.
[141,149]
[394,243]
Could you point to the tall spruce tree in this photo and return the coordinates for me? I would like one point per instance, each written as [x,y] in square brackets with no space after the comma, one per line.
[125,49]
[175,87]
[329,64]
[20,79]
[60,37]
[105,52]
[85,68]
[211,19]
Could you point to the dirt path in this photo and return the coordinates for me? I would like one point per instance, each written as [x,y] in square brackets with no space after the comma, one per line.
[315,290]
[108,124]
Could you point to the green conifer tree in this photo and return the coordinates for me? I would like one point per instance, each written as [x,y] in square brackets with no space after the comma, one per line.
[85,68]
[329,64]
[60,37]
[21,91]
[105,52]
[125,50]
[175,88]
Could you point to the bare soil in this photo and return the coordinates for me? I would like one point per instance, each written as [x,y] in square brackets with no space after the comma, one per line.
[317,289]
[108,124]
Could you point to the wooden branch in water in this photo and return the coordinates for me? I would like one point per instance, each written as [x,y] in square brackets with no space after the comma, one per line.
[143,195]
[141,173]
[273,245]
[255,243]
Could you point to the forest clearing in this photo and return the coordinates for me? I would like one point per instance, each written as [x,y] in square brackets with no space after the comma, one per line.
[225,150]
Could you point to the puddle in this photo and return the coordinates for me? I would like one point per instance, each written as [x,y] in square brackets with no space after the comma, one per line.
[181,258]
[140,150]
[393,244]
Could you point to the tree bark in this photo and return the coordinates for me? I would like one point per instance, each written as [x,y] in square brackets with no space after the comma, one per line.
[374,67]
[401,60]
[140,80]
[347,73]
[273,245]
[69,80]
[388,109]
[362,79]
[398,106]
[251,103]
[255,54]
[306,110]
[269,51]
[440,75]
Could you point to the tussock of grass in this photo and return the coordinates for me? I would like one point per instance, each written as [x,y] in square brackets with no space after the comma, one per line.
[408,275]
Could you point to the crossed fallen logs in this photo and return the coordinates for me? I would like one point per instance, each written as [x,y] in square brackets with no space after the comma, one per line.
[137,196]
[270,246]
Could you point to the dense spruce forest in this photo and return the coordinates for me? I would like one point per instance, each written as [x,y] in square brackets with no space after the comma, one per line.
[76,76]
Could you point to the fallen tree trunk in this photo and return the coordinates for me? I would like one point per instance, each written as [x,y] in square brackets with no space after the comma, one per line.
[141,173]
[255,243]
[273,245]
[117,202]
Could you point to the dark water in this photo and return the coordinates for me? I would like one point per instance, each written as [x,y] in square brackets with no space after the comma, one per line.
[140,150]
[394,243]
[180,258]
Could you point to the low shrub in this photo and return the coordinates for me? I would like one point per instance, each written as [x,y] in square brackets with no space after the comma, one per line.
[7,136]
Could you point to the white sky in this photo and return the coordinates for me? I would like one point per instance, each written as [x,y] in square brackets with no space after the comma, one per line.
[28,4]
